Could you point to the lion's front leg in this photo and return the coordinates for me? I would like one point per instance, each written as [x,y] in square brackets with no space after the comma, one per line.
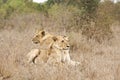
[68,60]
[65,57]
[32,55]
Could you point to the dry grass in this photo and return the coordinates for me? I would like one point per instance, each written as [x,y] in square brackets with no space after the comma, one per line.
[98,61]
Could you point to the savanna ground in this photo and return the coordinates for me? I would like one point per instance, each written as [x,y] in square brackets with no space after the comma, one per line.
[99,57]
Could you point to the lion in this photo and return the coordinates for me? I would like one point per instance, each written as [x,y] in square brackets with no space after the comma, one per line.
[62,47]
[53,53]
[58,48]
[45,39]
[58,52]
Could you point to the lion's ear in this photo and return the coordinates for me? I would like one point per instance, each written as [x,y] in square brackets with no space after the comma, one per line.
[43,33]
[66,38]
[55,38]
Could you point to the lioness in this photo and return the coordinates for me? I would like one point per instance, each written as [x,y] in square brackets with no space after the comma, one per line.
[62,47]
[58,48]
[60,51]
[45,39]
[51,55]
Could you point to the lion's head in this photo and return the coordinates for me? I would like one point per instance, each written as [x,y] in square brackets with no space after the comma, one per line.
[61,42]
[39,36]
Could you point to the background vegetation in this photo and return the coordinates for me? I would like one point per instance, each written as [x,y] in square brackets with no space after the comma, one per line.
[89,16]
[92,26]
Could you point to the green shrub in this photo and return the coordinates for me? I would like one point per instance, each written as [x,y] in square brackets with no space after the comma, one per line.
[116,12]
[104,19]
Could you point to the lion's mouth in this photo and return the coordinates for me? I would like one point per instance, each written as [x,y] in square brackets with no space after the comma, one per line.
[36,42]
[65,48]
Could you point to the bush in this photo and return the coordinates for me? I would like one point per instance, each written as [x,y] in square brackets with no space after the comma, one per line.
[89,16]
[117,11]
[65,16]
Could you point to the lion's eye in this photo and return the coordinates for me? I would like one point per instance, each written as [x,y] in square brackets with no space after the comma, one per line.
[37,36]
[62,40]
